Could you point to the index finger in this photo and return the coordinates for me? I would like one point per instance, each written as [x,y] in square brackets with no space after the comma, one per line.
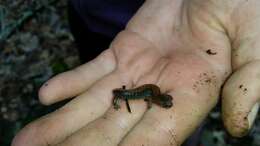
[76,81]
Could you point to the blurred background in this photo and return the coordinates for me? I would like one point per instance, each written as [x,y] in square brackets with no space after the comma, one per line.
[35,44]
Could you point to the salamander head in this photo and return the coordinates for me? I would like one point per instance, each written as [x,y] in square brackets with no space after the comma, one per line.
[118,93]
[166,101]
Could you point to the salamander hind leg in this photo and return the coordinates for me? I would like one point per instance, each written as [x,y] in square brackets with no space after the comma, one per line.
[149,102]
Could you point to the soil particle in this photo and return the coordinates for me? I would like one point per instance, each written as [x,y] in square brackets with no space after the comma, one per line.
[208,81]
[243,88]
[209,51]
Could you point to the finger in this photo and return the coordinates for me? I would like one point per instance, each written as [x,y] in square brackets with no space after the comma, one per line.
[194,94]
[245,33]
[239,106]
[172,126]
[58,125]
[109,129]
[76,81]
[114,124]
[240,99]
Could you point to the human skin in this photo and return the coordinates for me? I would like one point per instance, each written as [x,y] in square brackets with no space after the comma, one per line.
[188,48]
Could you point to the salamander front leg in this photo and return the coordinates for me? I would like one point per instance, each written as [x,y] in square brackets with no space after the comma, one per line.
[126,101]
[128,106]
[116,101]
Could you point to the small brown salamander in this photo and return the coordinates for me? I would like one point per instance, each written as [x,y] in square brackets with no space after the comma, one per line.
[149,92]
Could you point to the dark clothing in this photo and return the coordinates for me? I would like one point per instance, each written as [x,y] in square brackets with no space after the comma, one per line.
[89,43]
[106,17]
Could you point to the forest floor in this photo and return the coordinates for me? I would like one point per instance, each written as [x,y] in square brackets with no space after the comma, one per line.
[35,44]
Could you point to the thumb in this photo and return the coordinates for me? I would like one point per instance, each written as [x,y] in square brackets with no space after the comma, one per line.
[240,99]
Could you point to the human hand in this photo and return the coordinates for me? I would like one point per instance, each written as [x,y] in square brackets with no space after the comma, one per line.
[241,92]
[181,46]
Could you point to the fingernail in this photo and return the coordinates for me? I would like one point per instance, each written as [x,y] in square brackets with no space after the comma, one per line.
[252,115]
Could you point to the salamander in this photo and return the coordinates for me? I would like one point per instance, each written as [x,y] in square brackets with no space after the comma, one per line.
[149,92]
